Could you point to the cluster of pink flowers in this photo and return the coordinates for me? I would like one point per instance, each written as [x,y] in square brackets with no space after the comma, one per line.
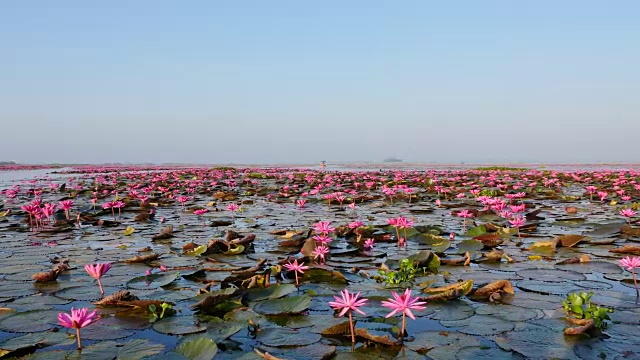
[401,222]
[403,303]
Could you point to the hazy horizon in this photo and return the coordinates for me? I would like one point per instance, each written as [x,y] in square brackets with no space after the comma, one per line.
[298,82]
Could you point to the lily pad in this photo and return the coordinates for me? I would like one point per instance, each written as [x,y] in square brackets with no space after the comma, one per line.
[476,231]
[452,310]
[480,325]
[537,342]
[438,244]
[507,312]
[201,348]
[319,275]
[287,305]
[271,292]
[178,325]
[30,321]
[551,275]
[153,281]
[480,353]
[427,340]
[469,245]
[133,350]
[33,341]
[284,337]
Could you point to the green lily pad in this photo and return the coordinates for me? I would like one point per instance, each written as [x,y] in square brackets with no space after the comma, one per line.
[287,305]
[537,342]
[602,267]
[320,275]
[313,351]
[132,350]
[476,231]
[547,287]
[451,310]
[480,325]
[551,275]
[438,244]
[105,329]
[469,245]
[285,337]
[427,340]
[201,348]
[84,292]
[222,330]
[33,341]
[271,292]
[178,325]
[426,259]
[30,321]
[38,302]
[507,312]
[483,353]
[152,281]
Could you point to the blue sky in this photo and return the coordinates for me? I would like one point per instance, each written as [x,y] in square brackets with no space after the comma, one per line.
[302,81]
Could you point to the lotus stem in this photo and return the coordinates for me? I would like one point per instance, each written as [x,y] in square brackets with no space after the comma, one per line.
[78,337]
[404,321]
[353,335]
[101,288]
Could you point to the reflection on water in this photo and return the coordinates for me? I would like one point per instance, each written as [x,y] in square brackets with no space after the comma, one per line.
[10,178]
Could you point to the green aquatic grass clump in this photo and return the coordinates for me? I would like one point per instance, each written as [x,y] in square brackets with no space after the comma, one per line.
[406,273]
[579,306]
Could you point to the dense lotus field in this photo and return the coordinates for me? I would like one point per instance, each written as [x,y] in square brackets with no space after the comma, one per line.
[254,263]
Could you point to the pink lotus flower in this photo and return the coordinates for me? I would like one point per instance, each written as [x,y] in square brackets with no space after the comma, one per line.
[233,207]
[368,244]
[628,213]
[404,303]
[201,212]
[602,195]
[182,200]
[296,268]
[323,239]
[464,214]
[632,263]
[320,252]
[355,224]
[96,271]
[400,223]
[301,203]
[323,227]
[348,303]
[77,320]
[518,222]
[66,205]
